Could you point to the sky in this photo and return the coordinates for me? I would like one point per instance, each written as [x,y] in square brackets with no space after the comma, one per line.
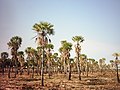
[98,21]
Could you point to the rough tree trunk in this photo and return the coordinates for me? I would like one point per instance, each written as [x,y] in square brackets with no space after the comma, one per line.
[78,66]
[117,72]
[42,68]
[69,68]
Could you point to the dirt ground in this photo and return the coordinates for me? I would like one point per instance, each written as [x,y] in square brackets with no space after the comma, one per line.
[95,81]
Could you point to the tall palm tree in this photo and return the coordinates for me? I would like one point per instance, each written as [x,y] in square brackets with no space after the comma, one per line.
[43,29]
[49,57]
[78,40]
[116,55]
[14,44]
[4,56]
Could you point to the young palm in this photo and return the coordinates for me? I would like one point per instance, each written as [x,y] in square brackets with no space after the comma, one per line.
[78,40]
[14,44]
[116,55]
[43,29]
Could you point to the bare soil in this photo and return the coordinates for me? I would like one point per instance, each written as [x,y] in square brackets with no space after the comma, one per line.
[95,81]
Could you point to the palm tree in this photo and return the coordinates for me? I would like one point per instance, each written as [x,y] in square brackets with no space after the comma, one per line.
[73,64]
[78,40]
[102,64]
[9,63]
[39,53]
[55,62]
[43,29]
[68,47]
[116,55]
[92,64]
[62,59]
[4,56]
[111,64]
[65,51]
[96,66]
[49,57]
[29,56]
[14,44]
[83,61]
[31,59]
[21,60]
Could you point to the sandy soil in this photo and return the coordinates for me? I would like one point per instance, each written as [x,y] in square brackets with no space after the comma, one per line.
[95,81]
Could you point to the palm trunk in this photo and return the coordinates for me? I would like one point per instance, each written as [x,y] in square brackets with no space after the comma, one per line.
[9,68]
[65,68]
[16,65]
[33,72]
[16,68]
[69,66]
[87,69]
[42,69]
[15,71]
[28,70]
[21,70]
[49,69]
[37,68]
[117,72]
[78,66]
[3,66]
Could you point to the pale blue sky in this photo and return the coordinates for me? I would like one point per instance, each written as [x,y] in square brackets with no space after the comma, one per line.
[98,21]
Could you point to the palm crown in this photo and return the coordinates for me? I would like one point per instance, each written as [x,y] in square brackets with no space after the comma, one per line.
[78,39]
[15,42]
[45,27]
[4,55]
